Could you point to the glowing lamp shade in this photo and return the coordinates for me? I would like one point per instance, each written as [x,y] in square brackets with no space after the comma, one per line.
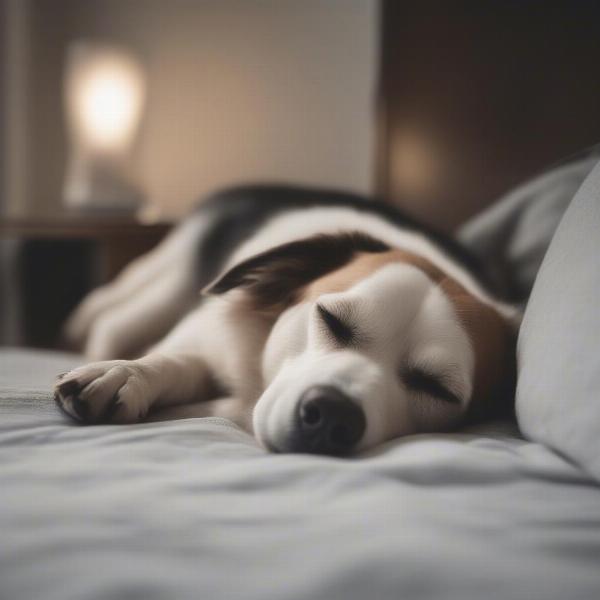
[104,98]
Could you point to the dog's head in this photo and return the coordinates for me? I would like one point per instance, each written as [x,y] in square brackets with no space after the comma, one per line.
[369,343]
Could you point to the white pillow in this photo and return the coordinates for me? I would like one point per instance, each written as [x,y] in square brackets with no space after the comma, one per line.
[558,389]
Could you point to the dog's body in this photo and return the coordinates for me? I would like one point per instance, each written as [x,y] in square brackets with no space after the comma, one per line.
[331,324]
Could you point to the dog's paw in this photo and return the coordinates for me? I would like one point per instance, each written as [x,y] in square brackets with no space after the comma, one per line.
[106,392]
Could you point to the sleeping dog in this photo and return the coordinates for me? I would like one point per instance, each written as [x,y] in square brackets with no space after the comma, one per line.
[327,323]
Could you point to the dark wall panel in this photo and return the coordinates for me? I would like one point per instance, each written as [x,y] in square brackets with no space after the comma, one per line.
[475,96]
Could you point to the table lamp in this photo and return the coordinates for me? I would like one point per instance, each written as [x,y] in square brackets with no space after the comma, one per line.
[104,98]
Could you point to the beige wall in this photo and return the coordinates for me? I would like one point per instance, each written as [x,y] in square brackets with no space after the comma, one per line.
[240,90]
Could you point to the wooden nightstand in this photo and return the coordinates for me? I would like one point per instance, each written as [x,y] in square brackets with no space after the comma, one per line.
[54,260]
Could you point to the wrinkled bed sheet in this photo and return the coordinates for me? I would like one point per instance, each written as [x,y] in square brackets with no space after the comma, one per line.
[195,509]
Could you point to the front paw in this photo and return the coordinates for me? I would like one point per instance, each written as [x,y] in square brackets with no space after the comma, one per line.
[105,392]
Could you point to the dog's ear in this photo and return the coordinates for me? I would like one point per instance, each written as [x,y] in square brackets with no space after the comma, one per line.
[275,276]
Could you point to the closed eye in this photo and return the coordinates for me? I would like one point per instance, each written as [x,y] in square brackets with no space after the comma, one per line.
[343,333]
[426,383]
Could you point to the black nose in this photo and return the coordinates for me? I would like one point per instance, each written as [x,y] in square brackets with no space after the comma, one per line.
[328,422]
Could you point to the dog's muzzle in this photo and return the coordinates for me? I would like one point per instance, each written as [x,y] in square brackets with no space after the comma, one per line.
[327,422]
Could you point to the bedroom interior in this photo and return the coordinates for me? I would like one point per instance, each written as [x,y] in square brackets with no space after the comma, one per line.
[478,117]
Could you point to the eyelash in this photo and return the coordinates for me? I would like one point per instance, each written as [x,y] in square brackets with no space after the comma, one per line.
[340,330]
[421,381]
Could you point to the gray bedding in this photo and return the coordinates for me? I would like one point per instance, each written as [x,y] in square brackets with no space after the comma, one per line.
[194,509]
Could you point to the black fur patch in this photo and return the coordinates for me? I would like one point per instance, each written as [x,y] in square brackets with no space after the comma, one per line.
[274,276]
[237,213]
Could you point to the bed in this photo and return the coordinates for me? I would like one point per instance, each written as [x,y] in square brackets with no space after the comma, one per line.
[194,508]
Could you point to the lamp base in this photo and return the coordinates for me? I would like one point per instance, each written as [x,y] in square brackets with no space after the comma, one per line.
[99,184]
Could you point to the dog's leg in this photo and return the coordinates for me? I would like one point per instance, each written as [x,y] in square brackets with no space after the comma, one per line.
[174,254]
[209,345]
[104,298]
[124,391]
[140,321]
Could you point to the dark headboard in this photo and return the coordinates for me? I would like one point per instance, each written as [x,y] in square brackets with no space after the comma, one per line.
[475,96]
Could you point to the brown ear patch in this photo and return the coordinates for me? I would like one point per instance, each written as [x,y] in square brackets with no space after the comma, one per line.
[274,277]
